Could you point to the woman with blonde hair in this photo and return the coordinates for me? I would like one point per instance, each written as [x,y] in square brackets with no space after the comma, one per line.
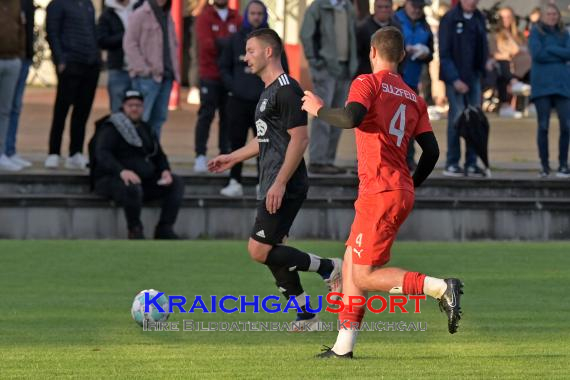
[549,44]
[509,49]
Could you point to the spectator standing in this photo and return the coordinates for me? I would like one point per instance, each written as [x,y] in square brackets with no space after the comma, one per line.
[464,56]
[214,24]
[129,166]
[110,32]
[509,49]
[550,83]
[382,17]
[71,35]
[28,12]
[328,35]
[189,75]
[418,40]
[244,87]
[151,51]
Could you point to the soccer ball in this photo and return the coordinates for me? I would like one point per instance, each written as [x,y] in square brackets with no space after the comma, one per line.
[153,315]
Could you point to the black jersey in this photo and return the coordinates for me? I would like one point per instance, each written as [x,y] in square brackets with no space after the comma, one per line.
[278,110]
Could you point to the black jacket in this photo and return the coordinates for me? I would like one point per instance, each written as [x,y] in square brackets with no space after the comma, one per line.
[364,32]
[70,26]
[463,46]
[109,153]
[29,10]
[235,73]
[110,32]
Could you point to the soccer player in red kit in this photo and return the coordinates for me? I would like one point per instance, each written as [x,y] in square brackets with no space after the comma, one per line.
[386,114]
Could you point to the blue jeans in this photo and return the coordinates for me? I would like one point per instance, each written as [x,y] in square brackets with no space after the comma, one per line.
[544,105]
[10,147]
[456,106]
[156,97]
[119,82]
[9,74]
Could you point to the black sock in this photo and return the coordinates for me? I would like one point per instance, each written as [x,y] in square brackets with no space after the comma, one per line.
[325,268]
[285,256]
[289,284]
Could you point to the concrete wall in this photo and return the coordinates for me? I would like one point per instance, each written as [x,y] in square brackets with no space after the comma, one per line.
[459,223]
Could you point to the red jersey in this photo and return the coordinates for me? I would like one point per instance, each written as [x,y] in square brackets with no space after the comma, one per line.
[395,115]
[210,28]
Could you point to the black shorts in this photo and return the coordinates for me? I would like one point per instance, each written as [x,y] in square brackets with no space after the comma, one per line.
[272,228]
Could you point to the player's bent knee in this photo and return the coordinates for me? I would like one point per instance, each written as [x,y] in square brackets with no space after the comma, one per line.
[258,251]
[361,277]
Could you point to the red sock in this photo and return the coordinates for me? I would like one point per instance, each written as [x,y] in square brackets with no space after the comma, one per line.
[413,283]
[347,319]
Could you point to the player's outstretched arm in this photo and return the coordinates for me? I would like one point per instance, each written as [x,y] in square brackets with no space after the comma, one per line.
[347,118]
[428,159]
[226,161]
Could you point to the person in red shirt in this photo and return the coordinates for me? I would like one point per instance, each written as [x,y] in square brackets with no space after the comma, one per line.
[213,26]
[386,115]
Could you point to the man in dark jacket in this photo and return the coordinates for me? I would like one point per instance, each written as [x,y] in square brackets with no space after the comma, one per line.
[382,17]
[464,56]
[70,26]
[215,23]
[110,31]
[129,166]
[243,86]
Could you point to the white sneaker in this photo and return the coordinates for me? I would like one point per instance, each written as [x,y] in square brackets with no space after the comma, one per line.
[9,165]
[531,110]
[201,164]
[77,161]
[306,325]
[509,113]
[334,282]
[193,96]
[233,190]
[52,161]
[520,88]
[20,161]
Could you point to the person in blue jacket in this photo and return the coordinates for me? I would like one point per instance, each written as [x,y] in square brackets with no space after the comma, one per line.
[418,39]
[464,57]
[549,45]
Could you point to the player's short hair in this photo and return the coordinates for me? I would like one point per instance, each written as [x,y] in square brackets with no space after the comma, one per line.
[389,43]
[270,37]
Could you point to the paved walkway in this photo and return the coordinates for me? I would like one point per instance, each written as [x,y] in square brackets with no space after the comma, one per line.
[512,142]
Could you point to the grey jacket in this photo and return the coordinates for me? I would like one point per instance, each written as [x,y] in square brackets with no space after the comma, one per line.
[318,37]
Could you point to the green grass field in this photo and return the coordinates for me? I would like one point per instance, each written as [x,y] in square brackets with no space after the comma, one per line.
[66,313]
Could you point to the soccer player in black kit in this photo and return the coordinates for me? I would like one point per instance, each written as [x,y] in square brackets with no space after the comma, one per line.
[280,143]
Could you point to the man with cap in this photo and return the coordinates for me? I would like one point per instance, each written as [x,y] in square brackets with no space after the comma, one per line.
[129,166]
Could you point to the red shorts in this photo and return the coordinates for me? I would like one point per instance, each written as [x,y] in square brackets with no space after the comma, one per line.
[376,222]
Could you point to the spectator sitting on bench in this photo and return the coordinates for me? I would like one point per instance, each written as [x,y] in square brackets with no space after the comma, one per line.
[129,166]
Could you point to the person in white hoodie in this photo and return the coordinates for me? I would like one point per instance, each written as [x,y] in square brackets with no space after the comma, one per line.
[110,31]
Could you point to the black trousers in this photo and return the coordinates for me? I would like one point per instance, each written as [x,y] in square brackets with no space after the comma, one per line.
[213,96]
[131,198]
[242,114]
[75,87]
[504,77]
[189,75]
